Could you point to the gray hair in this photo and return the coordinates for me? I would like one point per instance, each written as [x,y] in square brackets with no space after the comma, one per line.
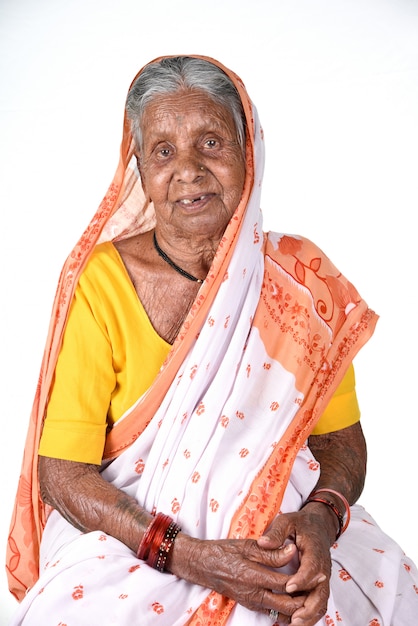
[174,74]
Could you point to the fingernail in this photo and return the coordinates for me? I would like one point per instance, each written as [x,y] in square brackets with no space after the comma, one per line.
[291,587]
[288,548]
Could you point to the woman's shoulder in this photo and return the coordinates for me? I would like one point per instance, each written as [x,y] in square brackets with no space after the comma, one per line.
[104,275]
[104,259]
[306,263]
[292,249]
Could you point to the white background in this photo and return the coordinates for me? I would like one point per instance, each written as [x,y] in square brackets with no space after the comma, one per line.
[336,86]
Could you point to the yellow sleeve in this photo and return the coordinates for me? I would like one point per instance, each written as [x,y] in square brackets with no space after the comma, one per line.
[109,357]
[75,424]
[343,409]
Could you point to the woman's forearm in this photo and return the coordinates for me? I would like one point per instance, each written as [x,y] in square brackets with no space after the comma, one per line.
[88,502]
[343,458]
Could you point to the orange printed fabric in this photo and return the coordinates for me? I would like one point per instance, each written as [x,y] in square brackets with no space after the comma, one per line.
[273,308]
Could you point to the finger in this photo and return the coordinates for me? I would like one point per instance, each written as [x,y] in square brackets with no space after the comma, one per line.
[273,557]
[277,534]
[313,609]
[283,603]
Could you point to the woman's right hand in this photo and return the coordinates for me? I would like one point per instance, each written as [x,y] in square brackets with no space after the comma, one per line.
[234,568]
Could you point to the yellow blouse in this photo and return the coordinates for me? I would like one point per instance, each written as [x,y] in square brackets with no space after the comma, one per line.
[110,356]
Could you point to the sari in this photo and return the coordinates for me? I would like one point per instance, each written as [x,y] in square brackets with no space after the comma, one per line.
[219,440]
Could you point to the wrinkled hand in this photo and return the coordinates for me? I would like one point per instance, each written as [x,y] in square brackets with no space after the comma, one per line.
[313,531]
[239,569]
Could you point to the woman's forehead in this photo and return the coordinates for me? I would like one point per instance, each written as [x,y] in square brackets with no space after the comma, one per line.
[186,109]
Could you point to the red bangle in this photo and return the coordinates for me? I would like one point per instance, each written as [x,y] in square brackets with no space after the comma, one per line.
[157,541]
[332,506]
[343,500]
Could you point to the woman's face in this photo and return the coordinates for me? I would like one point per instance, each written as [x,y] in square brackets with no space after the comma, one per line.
[191,164]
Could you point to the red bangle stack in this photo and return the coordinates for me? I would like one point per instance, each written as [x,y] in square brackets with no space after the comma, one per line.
[341,524]
[158,541]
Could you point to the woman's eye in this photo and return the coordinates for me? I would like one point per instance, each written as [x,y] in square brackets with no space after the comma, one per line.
[211,143]
[164,152]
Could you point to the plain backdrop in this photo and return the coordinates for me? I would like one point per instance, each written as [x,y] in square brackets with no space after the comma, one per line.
[336,86]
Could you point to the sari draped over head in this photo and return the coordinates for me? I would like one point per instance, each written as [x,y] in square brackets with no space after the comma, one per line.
[267,341]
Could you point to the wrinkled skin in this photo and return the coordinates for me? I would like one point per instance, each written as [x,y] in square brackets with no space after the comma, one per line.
[239,569]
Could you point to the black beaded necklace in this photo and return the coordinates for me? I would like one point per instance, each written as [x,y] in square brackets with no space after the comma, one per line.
[178,269]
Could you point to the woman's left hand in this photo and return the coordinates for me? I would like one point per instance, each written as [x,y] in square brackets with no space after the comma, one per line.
[313,531]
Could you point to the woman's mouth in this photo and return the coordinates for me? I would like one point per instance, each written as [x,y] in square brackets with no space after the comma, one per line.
[196,202]
[189,201]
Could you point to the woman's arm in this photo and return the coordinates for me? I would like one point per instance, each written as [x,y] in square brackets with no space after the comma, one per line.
[343,458]
[88,502]
[235,568]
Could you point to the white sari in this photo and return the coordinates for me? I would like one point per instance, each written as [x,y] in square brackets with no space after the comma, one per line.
[224,451]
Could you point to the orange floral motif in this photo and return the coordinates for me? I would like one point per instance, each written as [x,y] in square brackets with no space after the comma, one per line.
[139,466]
[313,465]
[195,477]
[184,417]
[200,409]
[187,454]
[248,370]
[78,592]
[338,617]
[123,596]
[226,323]
[175,505]
[244,452]
[329,621]
[101,556]
[415,588]
[344,575]
[240,415]
[214,505]
[407,567]
[379,584]
[374,622]
[289,245]
[133,568]
[256,234]
[274,406]
[224,421]
[211,321]
[246,523]
[266,366]
[157,608]
[103,538]
[193,371]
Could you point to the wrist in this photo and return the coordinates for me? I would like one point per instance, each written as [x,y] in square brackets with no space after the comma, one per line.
[329,520]
[332,500]
[158,541]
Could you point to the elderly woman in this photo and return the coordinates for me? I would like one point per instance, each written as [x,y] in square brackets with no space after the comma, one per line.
[196,424]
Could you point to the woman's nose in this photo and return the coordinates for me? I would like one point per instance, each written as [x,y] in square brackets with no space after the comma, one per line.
[189,167]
